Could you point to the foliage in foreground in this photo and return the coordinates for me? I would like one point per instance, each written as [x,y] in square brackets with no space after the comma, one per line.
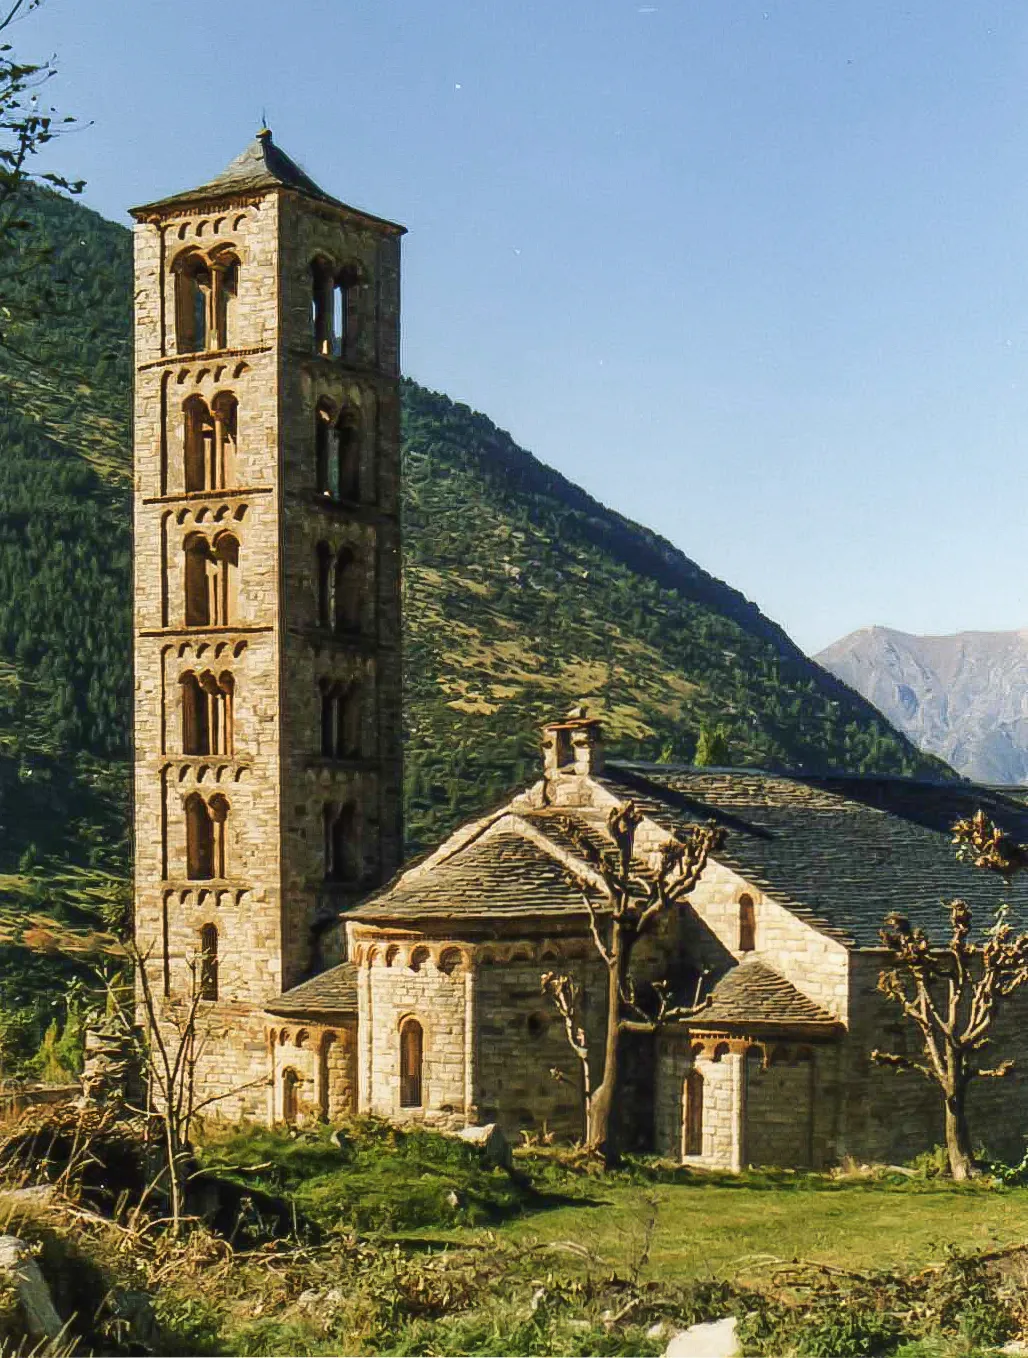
[134,1287]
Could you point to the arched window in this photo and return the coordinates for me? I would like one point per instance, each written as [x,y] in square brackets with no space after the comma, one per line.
[223,701]
[290,1102]
[340,317]
[196,738]
[411,1044]
[197,444]
[326,585]
[346,312]
[322,304]
[348,454]
[327,468]
[225,282]
[350,721]
[218,807]
[328,719]
[225,581]
[192,303]
[747,924]
[209,962]
[222,464]
[347,612]
[207,717]
[199,840]
[340,720]
[343,857]
[692,1120]
[197,588]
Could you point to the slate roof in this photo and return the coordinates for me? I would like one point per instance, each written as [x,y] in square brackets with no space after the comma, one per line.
[501,874]
[753,994]
[334,991]
[263,165]
[842,851]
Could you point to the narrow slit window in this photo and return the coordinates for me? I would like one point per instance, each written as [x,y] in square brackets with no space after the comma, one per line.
[747,924]
[693,1129]
[209,962]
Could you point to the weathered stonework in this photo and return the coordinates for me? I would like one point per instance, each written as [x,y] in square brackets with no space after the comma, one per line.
[232,785]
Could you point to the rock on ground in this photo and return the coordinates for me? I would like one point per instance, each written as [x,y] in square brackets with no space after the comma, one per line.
[716,1339]
[17,1263]
[490,1139]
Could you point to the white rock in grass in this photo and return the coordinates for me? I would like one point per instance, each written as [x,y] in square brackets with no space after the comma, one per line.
[492,1142]
[716,1339]
[18,1264]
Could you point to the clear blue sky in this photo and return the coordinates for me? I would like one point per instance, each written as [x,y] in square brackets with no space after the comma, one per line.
[754,273]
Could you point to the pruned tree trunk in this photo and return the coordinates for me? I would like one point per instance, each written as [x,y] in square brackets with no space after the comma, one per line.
[602,1134]
[958,1133]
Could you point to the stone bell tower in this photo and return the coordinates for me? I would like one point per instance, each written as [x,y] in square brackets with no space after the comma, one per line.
[267,592]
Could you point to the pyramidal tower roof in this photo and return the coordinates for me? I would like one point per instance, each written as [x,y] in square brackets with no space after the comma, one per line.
[262,166]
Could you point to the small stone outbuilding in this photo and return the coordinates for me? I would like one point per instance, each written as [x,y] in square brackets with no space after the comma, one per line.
[438,1017]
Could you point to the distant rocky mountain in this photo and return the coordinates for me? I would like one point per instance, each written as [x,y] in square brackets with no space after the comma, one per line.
[962,697]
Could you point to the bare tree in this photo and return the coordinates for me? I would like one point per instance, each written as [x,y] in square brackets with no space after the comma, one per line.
[624,906]
[953,992]
[169,1044]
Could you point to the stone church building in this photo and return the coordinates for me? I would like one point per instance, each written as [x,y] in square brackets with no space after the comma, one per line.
[268,774]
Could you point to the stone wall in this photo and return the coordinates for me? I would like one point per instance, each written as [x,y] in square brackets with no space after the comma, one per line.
[522,1039]
[891,1115]
[434,987]
[768,1102]
[269,900]
[490,1037]
[244,902]
[365,379]
[319,1060]
[816,964]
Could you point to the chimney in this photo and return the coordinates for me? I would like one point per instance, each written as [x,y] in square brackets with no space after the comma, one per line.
[573,746]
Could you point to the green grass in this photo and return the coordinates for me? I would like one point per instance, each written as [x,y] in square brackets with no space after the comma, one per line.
[710,1229]
[379,1179]
[692,1224]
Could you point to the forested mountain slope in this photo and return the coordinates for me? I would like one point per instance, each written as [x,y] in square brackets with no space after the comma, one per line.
[522,595]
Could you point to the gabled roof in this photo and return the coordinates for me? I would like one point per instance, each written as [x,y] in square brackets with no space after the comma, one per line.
[754,995]
[262,166]
[842,851]
[334,991]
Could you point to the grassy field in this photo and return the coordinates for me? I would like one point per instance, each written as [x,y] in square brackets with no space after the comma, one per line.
[706,1228]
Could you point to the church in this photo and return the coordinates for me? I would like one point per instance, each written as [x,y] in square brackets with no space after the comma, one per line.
[268,761]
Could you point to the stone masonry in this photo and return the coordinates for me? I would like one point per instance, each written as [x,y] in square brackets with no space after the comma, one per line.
[237,786]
